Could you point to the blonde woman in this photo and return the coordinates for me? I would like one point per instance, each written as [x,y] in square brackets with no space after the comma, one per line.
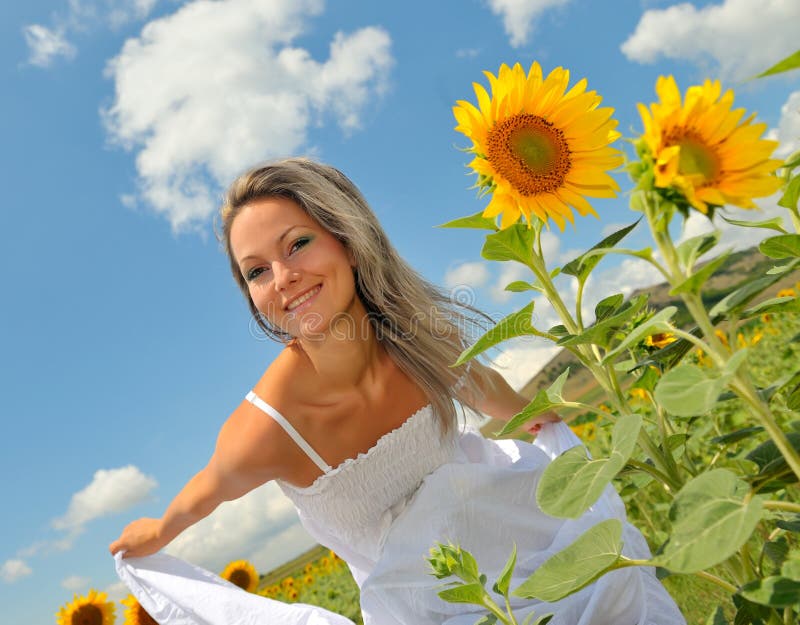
[355,420]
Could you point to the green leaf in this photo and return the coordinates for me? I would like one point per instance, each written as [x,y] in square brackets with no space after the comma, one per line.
[791,524]
[747,290]
[608,306]
[477,221]
[520,285]
[771,462]
[469,567]
[791,194]
[600,333]
[781,246]
[738,435]
[693,248]
[545,400]
[793,400]
[573,481]
[694,283]
[514,243]
[489,619]
[464,593]
[789,63]
[749,613]
[773,305]
[776,223]
[654,325]
[582,266]
[777,550]
[717,617]
[515,324]
[791,567]
[688,390]
[502,583]
[712,517]
[592,554]
[542,620]
[775,591]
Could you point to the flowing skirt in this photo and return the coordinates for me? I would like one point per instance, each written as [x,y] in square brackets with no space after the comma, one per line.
[484,501]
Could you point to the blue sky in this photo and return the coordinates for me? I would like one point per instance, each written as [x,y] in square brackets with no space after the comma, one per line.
[125,342]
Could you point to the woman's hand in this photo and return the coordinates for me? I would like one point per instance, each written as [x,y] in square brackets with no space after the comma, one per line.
[535,425]
[139,538]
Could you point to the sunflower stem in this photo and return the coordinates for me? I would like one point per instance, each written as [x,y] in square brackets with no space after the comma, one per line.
[740,384]
[786,506]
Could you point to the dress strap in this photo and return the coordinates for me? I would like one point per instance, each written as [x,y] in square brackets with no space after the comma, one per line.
[289,429]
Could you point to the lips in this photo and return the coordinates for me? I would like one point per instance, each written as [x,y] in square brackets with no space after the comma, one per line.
[314,290]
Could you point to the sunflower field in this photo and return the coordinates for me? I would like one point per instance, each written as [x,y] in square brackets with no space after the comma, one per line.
[696,414]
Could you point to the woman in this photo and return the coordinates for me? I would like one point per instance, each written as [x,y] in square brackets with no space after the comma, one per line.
[355,421]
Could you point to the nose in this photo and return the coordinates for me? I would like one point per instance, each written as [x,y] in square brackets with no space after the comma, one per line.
[283,274]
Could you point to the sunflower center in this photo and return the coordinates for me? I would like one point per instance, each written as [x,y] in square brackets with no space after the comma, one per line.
[529,152]
[696,158]
[87,615]
[240,578]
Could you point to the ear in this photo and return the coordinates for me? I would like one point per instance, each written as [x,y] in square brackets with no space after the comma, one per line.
[351,258]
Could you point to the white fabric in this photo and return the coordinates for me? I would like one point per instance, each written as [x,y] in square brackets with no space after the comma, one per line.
[384,510]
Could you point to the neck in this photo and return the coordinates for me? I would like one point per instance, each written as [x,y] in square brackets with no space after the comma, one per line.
[347,355]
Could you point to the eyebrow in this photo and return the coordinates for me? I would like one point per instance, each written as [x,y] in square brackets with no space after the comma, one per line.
[280,240]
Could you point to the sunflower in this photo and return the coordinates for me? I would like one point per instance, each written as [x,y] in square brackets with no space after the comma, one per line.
[539,149]
[93,609]
[135,613]
[242,574]
[660,340]
[287,582]
[709,153]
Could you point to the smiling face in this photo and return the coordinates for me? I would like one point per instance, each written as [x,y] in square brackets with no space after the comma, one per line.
[299,276]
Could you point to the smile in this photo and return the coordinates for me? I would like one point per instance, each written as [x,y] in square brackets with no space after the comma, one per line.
[295,303]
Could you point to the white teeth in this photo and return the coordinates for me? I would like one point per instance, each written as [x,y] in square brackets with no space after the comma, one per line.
[303,298]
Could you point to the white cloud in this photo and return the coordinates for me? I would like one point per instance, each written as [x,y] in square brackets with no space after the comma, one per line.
[116,591]
[75,583]
[509,272]
[519,16]
[788,130]
[13,570]
[110,491]
[737,237]
[624,277]
[261,526]
[467,53]
[46,45]
[741,37]
[521,359]
[474,274]
[216,87]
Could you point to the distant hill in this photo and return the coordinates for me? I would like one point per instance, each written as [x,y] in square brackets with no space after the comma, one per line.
[734,270]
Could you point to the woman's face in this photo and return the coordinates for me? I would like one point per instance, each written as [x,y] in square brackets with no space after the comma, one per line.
[299,275]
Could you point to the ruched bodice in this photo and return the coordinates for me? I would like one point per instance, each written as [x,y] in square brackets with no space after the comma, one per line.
[351,507]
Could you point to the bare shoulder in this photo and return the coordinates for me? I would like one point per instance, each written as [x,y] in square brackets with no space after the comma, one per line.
[252,443]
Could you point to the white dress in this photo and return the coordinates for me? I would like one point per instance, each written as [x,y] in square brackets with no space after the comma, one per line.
[383,511]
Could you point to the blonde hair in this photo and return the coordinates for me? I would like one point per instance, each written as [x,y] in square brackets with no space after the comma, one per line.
[421,328]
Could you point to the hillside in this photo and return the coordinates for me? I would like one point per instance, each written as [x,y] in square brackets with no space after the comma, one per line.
[581,383]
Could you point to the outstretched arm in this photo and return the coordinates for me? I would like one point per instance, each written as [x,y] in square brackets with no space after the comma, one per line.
[241,462]
[500,401]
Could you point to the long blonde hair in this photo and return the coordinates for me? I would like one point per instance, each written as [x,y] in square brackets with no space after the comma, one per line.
[421,328]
